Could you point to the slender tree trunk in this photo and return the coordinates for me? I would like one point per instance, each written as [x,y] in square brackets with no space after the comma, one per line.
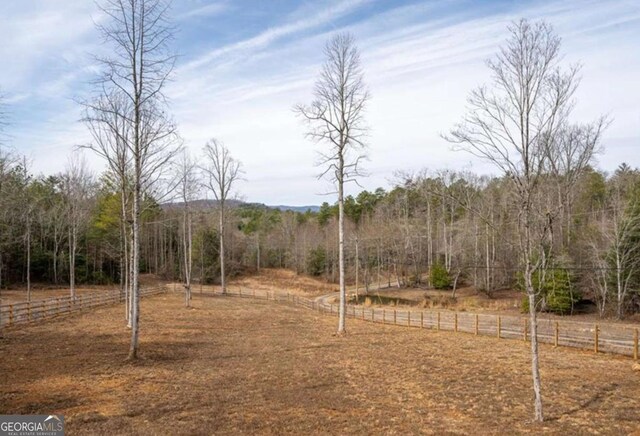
[357,267]
[258,251]
[223,285]
[55,255]
[28,260]
[343,290]
[487,261]
[135,268]
[533,321]
[187,256]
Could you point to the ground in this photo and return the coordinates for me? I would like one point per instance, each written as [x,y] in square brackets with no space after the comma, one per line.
[41,291]
[232,365]
[283,280]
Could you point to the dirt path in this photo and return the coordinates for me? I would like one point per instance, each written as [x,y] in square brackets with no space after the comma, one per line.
[233,366]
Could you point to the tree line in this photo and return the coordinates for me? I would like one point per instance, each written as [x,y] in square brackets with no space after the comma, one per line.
[457,222]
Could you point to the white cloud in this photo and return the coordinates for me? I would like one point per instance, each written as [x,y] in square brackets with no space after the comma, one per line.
[205,11]
[421,61]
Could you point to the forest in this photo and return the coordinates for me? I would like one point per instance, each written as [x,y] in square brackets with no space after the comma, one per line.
[459,223]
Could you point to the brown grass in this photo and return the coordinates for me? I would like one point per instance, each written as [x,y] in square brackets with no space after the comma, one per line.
[283,280]
[232,366]
[40,291]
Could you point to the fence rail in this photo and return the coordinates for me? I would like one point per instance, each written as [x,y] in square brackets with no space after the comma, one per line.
[37,310]
[607,338]
[599,337]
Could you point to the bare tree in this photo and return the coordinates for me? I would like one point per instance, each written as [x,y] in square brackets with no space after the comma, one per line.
[188,190]
[518,126]
[142,62]
[221,172]
[76,189]
[336,118]
[106,117]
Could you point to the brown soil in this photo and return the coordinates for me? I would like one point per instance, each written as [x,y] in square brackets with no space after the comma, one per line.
[233,365]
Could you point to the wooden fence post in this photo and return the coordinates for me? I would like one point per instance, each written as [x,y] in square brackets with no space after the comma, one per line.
[384,316]
[524,329]
[438,328]
[394,317]
[408,318]
[373,315]
[635,344]
[477,324]
[11,316]
[557,335]
[595,338]
[421,320]
[29,311]
[499,326]
[455,322]
[363,313]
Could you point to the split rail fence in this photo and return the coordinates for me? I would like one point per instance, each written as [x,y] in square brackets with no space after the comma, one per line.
[37,310]
[599,337]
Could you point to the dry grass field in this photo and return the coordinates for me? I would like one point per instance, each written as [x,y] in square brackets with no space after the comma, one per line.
[233,366]
[41,292]
[284,280]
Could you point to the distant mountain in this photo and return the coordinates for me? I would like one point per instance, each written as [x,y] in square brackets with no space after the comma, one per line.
[211,204]
[301,209]
[201,204]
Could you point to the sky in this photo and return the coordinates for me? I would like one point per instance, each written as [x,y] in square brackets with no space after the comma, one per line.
[244,64]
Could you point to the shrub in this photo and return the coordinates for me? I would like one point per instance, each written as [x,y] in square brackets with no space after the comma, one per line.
[439,276]
[556,294]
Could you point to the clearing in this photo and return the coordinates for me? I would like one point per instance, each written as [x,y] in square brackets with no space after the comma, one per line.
[233,365]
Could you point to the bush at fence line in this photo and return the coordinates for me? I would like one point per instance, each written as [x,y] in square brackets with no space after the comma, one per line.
[440,278]
[557,292]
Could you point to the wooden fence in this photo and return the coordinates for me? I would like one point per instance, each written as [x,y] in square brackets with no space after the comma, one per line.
[605,337]
[37,310]
[599,337]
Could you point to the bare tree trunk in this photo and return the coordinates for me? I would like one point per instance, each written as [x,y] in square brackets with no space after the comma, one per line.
[257,251]
[343,290]
[187,255]
[135,266]
[533,321]
[28,260]
[223,285]
[357,267]
[72,262]
[55,255]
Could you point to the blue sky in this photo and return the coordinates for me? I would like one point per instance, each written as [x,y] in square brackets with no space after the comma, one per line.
[244,64]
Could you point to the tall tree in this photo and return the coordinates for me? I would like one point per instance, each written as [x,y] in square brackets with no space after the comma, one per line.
[106,117]
[518,125]
[336,118]
[221,172]
[76,190]
[188,185]
[141,63]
